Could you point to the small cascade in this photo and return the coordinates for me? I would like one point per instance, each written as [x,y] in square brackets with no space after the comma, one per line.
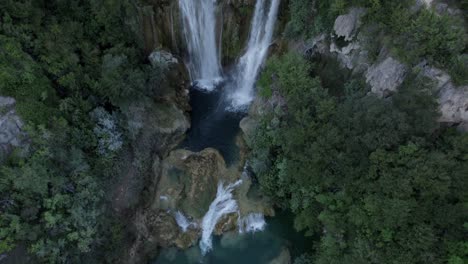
[261,33]
[183,222]
[222,205]
[251,223]
[199,23]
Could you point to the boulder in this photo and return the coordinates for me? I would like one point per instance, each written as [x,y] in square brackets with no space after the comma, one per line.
[453,100]
[189,181]
[11,134]
[161,57]
[386,76]
[347,25]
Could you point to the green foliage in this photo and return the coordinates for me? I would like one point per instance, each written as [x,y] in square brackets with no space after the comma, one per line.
[436,38]
[61,60]
[21,78]
[54,197]
[458,69]
[373,180]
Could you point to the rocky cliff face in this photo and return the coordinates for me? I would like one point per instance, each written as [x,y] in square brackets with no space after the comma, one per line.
[349,45]
[162,27]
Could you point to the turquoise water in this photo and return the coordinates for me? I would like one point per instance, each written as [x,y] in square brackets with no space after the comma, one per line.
[213,126]
[233,248]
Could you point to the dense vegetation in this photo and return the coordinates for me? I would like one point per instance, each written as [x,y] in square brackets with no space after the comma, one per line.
[70,65]
[411,35]
[371,180]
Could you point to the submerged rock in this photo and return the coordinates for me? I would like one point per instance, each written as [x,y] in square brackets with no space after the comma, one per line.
[283,258]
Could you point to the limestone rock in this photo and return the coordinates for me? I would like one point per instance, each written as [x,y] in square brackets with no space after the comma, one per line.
[347,25]
[11,134]
[385,77]
[162,58]
[453,100]
[189,181]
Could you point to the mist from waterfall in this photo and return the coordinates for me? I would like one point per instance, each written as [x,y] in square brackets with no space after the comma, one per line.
[261,33]
[223,204]
[199,27]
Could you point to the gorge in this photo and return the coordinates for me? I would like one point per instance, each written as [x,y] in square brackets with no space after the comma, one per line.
[217,100]
[233,131]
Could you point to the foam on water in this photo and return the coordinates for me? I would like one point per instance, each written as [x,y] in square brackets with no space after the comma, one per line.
[223,204]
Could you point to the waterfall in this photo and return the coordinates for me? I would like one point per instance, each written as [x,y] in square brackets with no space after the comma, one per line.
[222,205]
[199,23]
[183,222]
[251,223]
[261,33]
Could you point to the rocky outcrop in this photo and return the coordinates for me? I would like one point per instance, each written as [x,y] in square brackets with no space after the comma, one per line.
[186,184]
[161,22]
[349,45]
[11,134]
[346,26]
[385,77]
[453,100]
[155,123]
[188,181]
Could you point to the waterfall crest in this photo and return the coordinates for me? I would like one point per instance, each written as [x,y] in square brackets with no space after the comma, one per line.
[199,23]
[222,205]
[261,33]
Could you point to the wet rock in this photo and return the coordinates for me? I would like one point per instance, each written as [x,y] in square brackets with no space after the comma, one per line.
[347,25]
[226,223]
[11,134]
[189,180]
[187,239]
[385,77]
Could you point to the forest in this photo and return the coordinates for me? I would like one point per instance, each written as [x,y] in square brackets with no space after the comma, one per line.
[368,179]
[71,66]
[371,180]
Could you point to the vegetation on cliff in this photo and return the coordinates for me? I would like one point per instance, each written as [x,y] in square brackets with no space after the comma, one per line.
[371,180]
[70,65]
[413,34]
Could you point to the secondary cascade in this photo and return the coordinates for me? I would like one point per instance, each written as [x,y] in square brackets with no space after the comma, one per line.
[199,24]
[223,204]
[261,33]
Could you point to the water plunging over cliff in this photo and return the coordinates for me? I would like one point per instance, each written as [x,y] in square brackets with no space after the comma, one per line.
[199,22]
[261,33]
[222,205]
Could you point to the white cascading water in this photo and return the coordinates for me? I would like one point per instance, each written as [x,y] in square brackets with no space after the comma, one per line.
[261,33]
[251,223]
[222,205]
[199,23]
[183,222]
